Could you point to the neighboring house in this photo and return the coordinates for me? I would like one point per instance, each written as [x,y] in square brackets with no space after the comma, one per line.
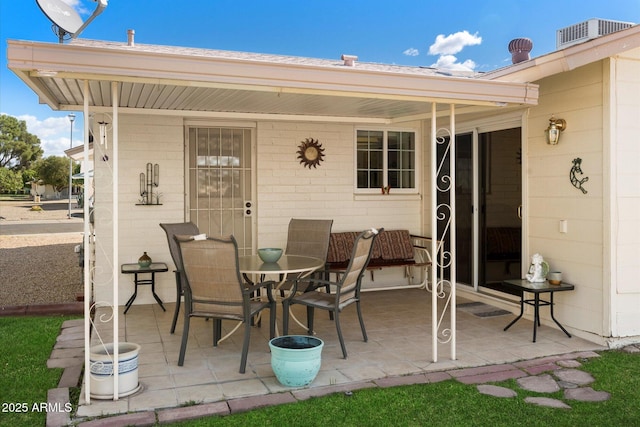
[77,154]
[44,191]
[225,129]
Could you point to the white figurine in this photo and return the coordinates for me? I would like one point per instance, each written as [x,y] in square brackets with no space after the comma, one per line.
[538,270]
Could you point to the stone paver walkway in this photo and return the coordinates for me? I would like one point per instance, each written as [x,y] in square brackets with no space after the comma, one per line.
[543,375]
[563,376]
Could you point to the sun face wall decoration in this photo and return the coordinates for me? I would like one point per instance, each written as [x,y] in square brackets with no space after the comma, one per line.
[310,152]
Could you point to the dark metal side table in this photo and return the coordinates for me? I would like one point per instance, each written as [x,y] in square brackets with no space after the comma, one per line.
[522,286]
[135,269]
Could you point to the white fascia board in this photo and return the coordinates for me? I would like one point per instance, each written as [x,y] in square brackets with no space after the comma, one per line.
[129,64]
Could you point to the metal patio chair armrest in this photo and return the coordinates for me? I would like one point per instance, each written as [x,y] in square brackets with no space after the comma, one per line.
[251,288]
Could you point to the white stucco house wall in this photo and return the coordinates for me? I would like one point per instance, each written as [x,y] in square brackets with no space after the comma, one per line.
[157,103]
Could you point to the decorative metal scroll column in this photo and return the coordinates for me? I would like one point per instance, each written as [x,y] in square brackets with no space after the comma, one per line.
[443,226]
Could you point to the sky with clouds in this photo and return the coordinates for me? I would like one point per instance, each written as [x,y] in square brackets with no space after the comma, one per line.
[460,35]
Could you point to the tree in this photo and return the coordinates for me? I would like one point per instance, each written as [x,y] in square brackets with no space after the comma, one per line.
[53,170]
[10,181]
[28,176]
[18,148]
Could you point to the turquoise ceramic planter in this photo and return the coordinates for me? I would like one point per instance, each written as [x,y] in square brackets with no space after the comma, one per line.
[296,359]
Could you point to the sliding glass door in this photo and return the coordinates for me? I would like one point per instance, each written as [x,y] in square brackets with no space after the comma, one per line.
[500,220]
[488,204]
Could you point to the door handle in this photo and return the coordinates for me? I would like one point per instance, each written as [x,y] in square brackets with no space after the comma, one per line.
[519,210]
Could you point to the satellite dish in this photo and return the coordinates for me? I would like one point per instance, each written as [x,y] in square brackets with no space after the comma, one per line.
[66,20]
[62,15]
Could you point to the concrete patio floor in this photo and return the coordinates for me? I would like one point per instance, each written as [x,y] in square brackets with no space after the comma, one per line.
[398,325]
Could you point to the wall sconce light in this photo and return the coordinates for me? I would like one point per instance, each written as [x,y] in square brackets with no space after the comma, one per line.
[147,182]
[553,131]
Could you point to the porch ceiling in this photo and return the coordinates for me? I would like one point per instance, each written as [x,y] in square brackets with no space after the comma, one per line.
[197,82]
[66,93]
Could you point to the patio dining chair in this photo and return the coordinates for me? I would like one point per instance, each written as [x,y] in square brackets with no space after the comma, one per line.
[347,289]
[308,237]
[214,289]
[173,229]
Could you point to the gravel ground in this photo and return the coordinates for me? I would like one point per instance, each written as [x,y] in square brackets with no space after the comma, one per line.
[38,268]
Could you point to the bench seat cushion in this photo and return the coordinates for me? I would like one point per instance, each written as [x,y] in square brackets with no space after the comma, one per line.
[395,245]
[391,247]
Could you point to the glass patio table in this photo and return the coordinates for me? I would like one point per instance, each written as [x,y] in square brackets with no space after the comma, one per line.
[287,264]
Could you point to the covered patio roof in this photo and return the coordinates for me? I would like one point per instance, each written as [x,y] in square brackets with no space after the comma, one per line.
[198,82]
[125,78]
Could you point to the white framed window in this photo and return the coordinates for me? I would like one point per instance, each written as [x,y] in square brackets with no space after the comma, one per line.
[386,159]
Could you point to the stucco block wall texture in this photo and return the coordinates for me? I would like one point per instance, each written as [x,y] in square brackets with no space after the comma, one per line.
[143,139]
[285,189]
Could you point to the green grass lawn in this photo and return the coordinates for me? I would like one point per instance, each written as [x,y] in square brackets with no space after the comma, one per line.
[451,403]
[27,343]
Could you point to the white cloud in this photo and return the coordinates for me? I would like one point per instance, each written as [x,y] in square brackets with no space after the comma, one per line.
[54,146]
[453,43]
[54,133]
[449,62]
[412,51]
[448,46]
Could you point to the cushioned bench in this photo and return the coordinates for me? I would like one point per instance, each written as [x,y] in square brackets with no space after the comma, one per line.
[392,248]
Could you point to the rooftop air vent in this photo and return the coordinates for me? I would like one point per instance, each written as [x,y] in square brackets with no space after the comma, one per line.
[519,49]
[588,30]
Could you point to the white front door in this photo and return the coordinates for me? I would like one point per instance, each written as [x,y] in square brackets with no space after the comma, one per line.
[220,194]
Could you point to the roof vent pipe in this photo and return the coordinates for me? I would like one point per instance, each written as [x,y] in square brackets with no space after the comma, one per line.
[519,49]
[130,37]
[349,60]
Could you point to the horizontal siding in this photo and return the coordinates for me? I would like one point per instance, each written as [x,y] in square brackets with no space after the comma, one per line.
[577,97]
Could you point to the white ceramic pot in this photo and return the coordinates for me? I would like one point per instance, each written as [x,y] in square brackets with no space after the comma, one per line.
[101,362]
[554,277]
